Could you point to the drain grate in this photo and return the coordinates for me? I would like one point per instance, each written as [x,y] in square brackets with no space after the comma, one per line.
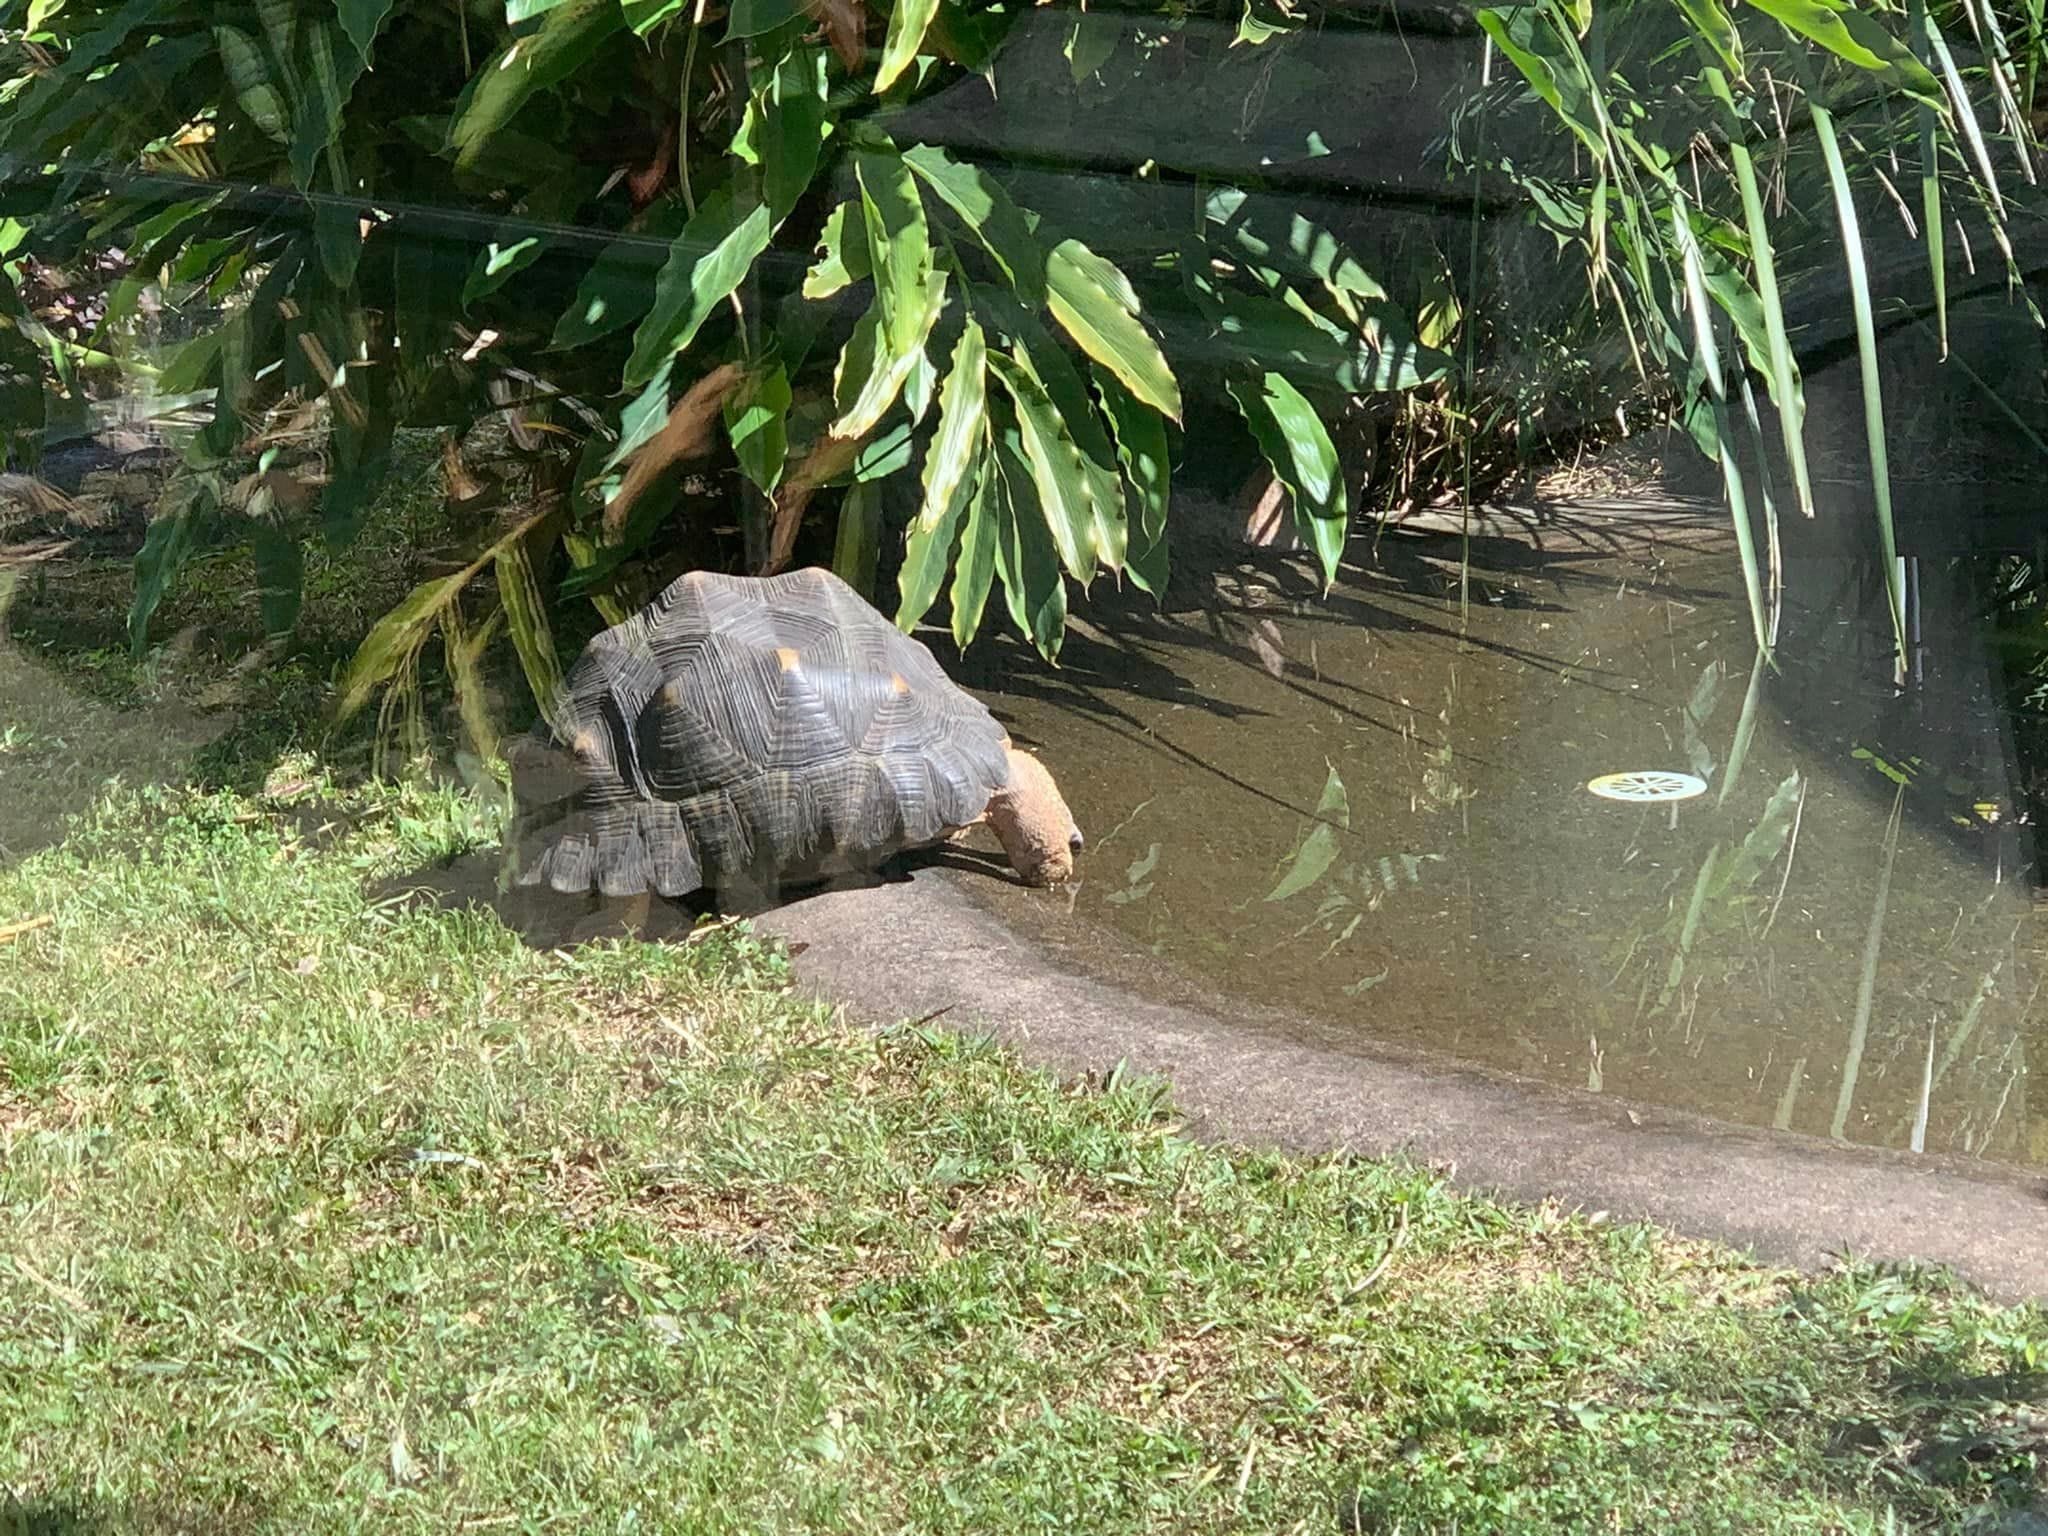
[1647,786]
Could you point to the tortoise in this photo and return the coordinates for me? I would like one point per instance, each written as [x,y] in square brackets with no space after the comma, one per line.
[741,733]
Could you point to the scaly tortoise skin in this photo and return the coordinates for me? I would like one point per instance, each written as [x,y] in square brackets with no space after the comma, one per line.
[743,732]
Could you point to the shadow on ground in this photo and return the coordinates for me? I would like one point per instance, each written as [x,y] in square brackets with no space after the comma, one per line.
[547,920]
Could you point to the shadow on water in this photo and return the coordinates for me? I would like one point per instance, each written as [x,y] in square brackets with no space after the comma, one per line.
[1361,811]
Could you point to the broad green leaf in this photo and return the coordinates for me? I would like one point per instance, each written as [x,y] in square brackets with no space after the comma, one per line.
[1858,39]
[1147,462]
[918,386]
[644,415]
[323,99]
[858,543]
[886,453]
[518,12]
[985,208]
[1260,332]
[751,18]
[870,377]
[907,24]
[1317,850]
[338,241]
[280,576]
[785,126]
[1055,468]
[619,287]
[643,16]
[1041,356]
[1094,304]
[928,550]
[974,572]
[708,260]
[963,422]
[1298,447]
[757,421]
[250,75]
[1091,43]
[1026,560]
[502,259]
[1272,234]
[899,248]
[842,252]
[1524,35]
[568,36]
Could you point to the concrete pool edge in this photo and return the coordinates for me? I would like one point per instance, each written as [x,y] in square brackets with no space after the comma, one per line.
[921,947]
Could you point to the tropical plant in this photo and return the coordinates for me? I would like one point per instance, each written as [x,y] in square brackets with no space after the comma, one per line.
[1716,164]
[639,235]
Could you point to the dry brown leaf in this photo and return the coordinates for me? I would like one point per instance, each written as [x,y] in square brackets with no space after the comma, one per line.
[846,26]
[685,435]
[12,931]
[829,456]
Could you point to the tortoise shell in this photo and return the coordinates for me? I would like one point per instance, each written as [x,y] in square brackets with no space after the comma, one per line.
[747,730]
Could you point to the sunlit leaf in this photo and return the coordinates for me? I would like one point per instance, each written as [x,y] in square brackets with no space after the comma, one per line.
[1298,447]
[1141,446]
[986,209]
[899,249]
[1094,303]
[1054,468]
[963,421]
[757,421]
[707,261]
[842,253]
[568,36]
[907,24]
[870,376]
[1857,38]
[785,127]
[951,465]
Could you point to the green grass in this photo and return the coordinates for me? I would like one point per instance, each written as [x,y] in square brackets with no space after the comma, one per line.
[328,1210]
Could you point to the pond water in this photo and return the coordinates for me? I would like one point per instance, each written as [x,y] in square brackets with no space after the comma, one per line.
[1373,813]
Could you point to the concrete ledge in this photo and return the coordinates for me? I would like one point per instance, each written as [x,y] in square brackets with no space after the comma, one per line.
[931,943]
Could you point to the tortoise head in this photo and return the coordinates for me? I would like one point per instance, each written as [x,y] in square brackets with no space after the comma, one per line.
[1032,822]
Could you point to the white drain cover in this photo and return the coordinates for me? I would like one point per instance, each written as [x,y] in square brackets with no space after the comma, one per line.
[1647,784]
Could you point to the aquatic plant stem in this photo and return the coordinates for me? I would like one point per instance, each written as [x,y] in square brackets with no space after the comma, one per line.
[1866,987]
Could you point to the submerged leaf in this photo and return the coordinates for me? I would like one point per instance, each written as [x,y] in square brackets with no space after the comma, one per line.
[1317,850]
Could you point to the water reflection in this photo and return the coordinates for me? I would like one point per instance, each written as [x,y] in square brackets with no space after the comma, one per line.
[1353,811]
